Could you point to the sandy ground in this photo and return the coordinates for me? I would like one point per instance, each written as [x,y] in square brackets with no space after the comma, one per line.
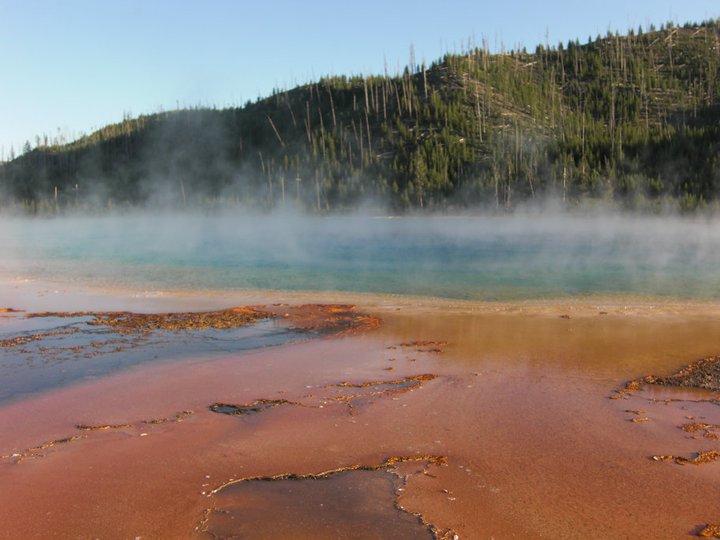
[511,433]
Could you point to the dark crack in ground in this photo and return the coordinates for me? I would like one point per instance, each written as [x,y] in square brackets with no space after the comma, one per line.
[177,417]
[365,391]
[386,465]
[39,450]
[103,427]
[358,391]
[422,346]
[379,389]
[256,406]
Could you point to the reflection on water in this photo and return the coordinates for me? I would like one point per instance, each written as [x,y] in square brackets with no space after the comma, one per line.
[474,258]
[44,352]
[592,344]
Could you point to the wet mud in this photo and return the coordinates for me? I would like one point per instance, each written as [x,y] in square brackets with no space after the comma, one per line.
[364,392]
[38,451]
[41,450]
[499,424]
[688,399]
[357,501]
[692,386]
[348,393]
[63,347]
[280,510]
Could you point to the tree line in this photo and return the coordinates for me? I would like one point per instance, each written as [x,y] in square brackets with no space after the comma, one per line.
[630,120]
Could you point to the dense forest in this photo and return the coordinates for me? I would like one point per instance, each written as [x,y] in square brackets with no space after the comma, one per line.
[630,120]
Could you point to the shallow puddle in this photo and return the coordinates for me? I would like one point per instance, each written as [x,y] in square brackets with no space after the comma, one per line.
[350,505]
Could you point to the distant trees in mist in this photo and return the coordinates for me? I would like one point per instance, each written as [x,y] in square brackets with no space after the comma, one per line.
[632,120]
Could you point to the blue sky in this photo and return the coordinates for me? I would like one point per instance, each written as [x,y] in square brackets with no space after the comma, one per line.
[70,66]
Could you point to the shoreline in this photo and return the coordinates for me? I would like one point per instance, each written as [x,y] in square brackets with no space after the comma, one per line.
[45,295]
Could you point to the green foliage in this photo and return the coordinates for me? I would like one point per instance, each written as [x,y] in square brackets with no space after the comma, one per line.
[633,119]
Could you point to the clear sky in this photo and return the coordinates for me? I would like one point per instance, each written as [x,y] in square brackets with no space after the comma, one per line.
[70,66]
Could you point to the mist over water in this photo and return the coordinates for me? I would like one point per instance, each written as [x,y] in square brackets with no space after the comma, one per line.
[483,258]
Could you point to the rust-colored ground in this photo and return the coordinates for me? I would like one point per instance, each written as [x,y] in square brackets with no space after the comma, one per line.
[322,318]
[490,425]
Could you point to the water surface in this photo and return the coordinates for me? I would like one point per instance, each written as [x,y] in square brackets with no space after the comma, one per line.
[479,258]
[44,353]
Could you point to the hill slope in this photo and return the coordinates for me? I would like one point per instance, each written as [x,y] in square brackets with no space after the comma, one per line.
[632,119]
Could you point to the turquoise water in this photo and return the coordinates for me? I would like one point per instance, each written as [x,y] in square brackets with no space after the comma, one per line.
[482,258]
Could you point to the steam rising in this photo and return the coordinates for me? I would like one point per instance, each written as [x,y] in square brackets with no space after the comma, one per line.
[491,258]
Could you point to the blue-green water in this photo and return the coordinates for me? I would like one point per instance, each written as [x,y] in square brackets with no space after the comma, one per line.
[483,258]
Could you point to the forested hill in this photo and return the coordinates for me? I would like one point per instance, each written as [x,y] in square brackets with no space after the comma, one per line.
[632,119]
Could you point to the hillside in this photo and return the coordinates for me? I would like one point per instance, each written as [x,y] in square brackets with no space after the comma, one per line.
[628,119]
